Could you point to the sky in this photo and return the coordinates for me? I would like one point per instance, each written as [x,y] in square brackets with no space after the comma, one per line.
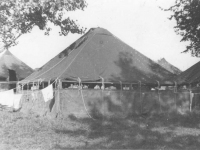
[139,23]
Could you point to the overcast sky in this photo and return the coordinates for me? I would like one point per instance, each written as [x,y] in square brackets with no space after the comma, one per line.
[139,23]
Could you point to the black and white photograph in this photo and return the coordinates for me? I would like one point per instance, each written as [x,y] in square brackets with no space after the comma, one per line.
[99,74]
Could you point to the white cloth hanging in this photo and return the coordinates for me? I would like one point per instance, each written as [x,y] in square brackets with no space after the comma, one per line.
[6,98]
[47,93]
[16,101]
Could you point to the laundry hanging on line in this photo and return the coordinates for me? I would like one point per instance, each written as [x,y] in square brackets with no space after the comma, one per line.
[16,101]
[6,98]
[10,99]
[47,93]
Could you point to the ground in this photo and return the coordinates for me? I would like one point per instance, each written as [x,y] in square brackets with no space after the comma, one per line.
[31,132]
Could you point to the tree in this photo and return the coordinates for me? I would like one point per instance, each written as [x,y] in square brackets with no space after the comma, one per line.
[187,16]
[18,17]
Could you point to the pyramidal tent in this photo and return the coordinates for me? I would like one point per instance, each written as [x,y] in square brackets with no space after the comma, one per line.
[9,61]
[165,64]
[99,55]
[191,75]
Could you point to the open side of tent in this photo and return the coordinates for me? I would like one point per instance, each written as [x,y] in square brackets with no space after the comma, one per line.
[100,55]
[9,62]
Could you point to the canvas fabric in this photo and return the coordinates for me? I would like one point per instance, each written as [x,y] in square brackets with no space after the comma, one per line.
[191,75]
[97,54]
[47,93]
[6,98]
[33,101]
[118,104]
[9,61]
[109,103]
[16,101]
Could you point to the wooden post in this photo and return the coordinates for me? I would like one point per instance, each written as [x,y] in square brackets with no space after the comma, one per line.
[159,100]
[175,92]
[121,85]
[17,88]
[27,86]
[191,100]
[102,96]
[140,93]
[22,88]
[60,84]
[159,95]
[58,98]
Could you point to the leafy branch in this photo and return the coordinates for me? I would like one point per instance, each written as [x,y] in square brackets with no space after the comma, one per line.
[18,17]
[187,16]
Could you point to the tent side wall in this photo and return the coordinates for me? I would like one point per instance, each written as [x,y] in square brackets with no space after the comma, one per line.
[106,103]
[33,102]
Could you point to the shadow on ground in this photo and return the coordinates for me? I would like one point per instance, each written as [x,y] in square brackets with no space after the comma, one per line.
[157,132]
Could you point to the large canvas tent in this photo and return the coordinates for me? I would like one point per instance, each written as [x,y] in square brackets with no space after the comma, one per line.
[11,70]
[9,62]
[100,55]
[190,76]
[165,64]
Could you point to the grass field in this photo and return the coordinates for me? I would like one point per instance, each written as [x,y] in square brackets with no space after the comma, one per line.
[31,132]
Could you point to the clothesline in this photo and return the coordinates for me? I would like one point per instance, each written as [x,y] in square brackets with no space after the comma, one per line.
[10,99]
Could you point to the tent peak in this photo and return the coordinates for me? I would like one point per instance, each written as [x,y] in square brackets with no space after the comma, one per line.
[165,64]
[7,52]
[100,30]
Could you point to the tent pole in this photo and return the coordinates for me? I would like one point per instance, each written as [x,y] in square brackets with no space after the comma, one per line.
[103,85]
[22,88]
[38,84]
[102,95]
[121,89]
[27,89]
[60,84]
[120,85]
[191,99]
[33,85]
[28,86]
[175,92]
[49,82]
[140,90]
[159,95]
[17,88]
[59,100]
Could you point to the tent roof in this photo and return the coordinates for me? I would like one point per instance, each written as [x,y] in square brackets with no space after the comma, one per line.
[99,54]
[9,61]
[165,64]
[191,75]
